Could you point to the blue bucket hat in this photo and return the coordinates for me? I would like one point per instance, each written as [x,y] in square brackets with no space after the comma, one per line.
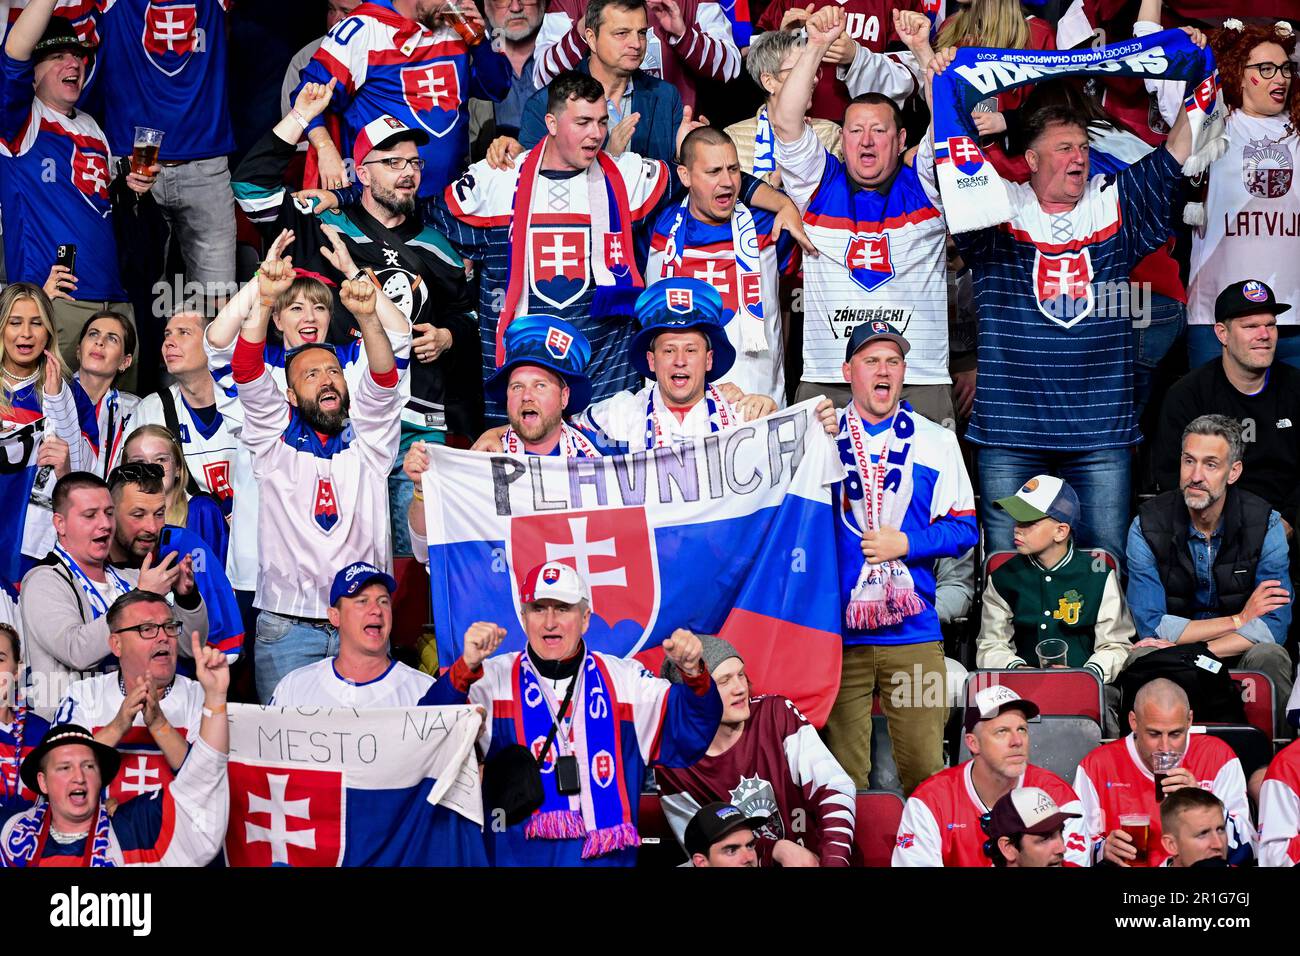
[550,343]
[677,305]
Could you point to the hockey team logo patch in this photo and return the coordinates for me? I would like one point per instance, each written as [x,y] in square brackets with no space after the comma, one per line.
[432,91]
[1206,93]
[602,768]
[681,301]
[558,343]
[326,510]
[1063,286]
[169,33]
[90,176]
[1255,291]
[547,765]
[217,476]
[1266,170]
[868,261]
[282,816]
[613,550]
[558,272]
[551,575]
[144,769]
[964,153]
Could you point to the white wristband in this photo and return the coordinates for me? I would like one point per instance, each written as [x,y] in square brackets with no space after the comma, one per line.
[297,118]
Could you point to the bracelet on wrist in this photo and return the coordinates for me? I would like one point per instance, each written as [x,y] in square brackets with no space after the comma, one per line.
[212,712]
[297,118]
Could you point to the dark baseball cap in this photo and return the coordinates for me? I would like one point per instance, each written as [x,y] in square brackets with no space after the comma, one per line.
[713,822]
[867,332]
[1027,810]
[60,35]
[1248,297]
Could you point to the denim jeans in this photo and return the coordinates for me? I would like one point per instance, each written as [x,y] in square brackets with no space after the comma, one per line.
[1100,478]
[1203,345]
[198,205]
[1152,341]
[286,643]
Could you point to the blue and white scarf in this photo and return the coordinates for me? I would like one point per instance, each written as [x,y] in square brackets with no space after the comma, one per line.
[601,813]
[30,831]
[764,144]
[98,606]
[974,196]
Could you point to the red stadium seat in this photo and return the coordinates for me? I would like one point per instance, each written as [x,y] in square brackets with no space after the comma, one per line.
[998,558]
[1073,692]
[1257,696]
[411,602]
[876,831]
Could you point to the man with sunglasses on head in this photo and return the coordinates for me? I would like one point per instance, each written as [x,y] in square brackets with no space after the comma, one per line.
[145,710]
[65,599]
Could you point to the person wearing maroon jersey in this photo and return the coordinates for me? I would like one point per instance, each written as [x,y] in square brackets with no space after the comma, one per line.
[946,820]
[767,760]
[870,24]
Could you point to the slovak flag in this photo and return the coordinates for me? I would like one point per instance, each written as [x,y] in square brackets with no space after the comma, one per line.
[746,512]
[384,787]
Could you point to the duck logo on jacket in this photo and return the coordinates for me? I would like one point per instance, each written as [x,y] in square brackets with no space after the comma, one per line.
[868,260]
[432,91]
[326,510]
[169,35]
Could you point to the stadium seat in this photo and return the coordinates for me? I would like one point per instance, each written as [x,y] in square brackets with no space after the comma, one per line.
[659,847]
[1253,747]
[1257,695]
[877,826]
[411,602]
[1071,692]
[1057,743]
[998,558]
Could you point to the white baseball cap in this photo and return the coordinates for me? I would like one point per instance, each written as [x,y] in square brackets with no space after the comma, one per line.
[380,133]
[1027,810]
[554,581]
[993,700]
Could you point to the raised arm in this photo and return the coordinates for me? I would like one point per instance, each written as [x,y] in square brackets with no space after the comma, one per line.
[791,104]
[27,29]
[311,101]
[390,316]
[1179,143]
[223,330]
[359,296]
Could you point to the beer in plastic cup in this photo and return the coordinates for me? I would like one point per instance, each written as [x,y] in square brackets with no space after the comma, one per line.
[1138,827]
[144,155]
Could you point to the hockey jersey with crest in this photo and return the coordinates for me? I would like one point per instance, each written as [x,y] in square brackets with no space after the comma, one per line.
[779,768]
[477,214]
[882,259]
[1055,340]
[387,64]
[55,171]
[1279,810]
[93,703]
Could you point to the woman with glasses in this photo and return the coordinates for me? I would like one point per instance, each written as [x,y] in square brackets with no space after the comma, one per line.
[187,506]
[1249,227]
[20,730]
[32,388]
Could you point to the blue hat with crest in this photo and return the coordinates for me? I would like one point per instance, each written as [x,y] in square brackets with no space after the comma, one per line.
[550,343]
[677,305]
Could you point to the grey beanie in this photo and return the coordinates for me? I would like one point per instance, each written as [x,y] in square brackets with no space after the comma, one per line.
[716,650]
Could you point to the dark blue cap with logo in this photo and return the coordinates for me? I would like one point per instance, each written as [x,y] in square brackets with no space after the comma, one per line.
[867,332]
[678,305]
[355,577]
[549,343]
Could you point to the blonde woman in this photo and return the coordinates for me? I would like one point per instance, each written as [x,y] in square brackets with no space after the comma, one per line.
[195,511]
[33,388]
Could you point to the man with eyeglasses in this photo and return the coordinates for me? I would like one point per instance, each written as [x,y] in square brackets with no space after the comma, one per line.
[948,821]
[65,599]
[145,710]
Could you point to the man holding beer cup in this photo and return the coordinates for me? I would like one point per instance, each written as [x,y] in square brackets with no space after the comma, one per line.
[1122,784]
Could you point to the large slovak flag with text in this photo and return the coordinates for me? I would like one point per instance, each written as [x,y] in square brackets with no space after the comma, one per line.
[325,788]
[729,534]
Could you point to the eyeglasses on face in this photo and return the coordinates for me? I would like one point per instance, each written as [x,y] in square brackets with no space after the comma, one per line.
[1269,70]
[397,163]
[149,629]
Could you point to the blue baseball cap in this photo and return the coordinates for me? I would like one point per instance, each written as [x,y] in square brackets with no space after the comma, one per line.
[355,577]
[549,343]
[678,305]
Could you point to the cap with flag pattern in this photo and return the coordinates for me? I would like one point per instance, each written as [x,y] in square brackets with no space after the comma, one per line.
[554,581]
[550,343]
[677,305]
